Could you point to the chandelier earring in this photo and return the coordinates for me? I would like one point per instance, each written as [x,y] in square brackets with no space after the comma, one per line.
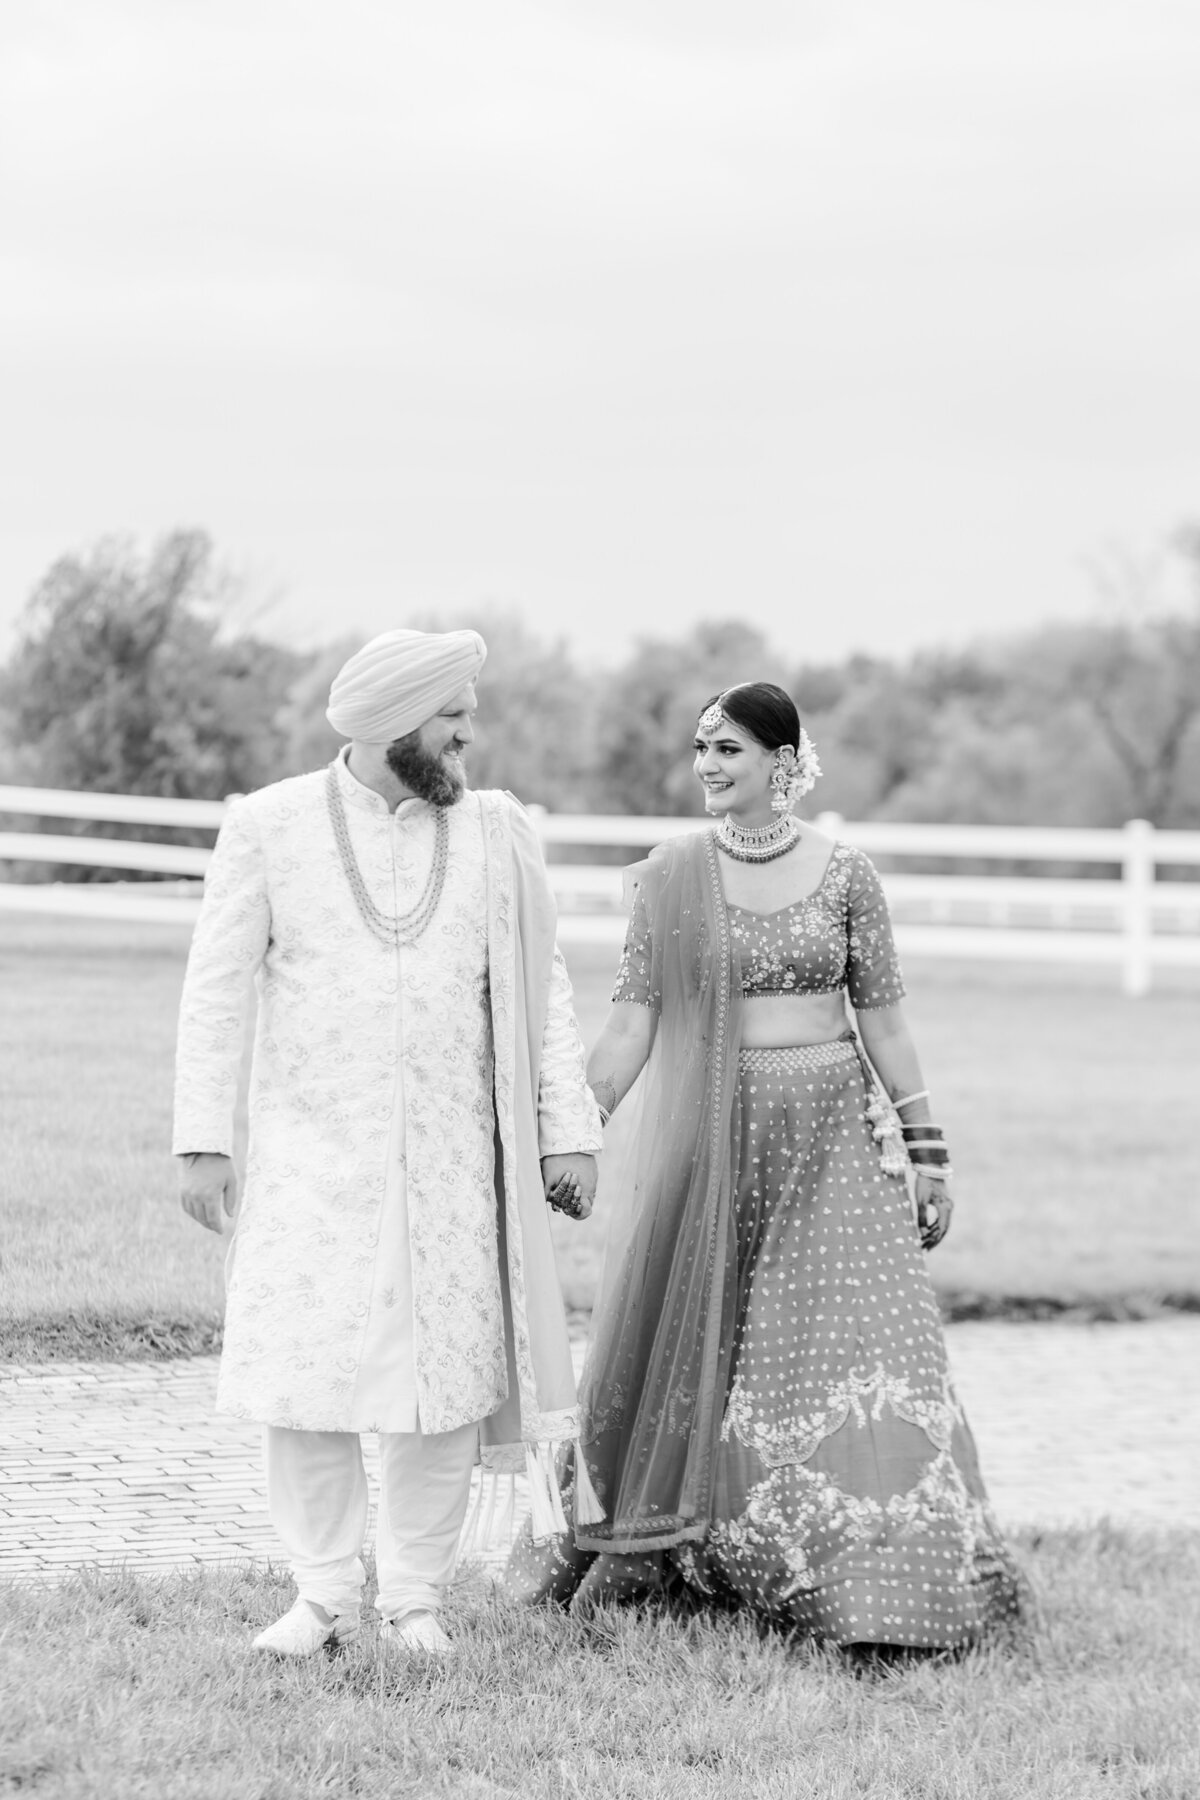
[785,780]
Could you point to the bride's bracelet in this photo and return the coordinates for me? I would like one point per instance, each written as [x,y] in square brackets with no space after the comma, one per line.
[928,1139]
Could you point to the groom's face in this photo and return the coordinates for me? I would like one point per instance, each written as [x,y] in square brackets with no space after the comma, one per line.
[429,760]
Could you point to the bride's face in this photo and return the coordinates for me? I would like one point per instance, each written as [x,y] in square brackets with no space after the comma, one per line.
[734,770]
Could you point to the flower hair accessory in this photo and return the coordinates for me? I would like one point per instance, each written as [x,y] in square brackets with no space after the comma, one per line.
[795,773]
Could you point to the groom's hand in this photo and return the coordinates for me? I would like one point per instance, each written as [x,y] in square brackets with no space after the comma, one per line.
[208,1187]
[570,1183]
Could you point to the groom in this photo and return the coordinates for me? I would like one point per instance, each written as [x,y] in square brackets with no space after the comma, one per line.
[417,1095]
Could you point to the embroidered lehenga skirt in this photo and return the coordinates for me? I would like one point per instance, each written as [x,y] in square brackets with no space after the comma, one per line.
[846,1494]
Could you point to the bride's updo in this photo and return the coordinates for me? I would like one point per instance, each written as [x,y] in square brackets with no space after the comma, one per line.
[762,709]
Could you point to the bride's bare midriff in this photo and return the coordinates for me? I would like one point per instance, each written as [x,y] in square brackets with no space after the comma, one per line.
[774,1021]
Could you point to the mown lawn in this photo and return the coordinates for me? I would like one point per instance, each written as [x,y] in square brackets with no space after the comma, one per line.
[1070,1110]
[119,1685]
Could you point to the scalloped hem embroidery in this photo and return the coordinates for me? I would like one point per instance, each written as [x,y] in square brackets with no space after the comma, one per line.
[794,1441]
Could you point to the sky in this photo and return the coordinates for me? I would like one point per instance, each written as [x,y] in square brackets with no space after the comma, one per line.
[870,323]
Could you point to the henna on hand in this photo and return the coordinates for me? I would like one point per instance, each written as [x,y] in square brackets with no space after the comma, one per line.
[605,1092]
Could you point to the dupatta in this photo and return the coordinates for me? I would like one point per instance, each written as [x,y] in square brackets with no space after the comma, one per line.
[654,1388]
[540,1410]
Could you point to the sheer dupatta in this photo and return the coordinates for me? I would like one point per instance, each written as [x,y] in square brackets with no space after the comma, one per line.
[654,1388]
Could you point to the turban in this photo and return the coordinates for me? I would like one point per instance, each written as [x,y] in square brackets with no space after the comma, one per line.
[400,680]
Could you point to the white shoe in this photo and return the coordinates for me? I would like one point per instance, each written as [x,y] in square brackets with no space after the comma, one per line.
[301,1632]
[418,1633]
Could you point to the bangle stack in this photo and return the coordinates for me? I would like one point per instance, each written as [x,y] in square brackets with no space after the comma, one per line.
[925,1143]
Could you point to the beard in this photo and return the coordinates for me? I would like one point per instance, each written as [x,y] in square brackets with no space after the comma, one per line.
[438,779]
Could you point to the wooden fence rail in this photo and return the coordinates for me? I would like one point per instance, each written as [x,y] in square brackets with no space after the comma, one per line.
[1126,916]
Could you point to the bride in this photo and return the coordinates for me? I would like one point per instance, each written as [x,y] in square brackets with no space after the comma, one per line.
[767,1412]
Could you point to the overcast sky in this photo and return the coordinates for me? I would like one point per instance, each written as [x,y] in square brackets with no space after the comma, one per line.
[867,321]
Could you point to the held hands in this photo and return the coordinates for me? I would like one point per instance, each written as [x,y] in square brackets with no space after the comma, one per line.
[935,1208]
[208,1188]
[570,1184]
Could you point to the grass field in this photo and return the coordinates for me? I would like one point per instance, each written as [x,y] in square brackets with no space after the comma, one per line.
[147,1687]
[1070,1110]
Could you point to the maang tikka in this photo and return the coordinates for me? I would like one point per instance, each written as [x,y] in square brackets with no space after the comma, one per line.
[712,718]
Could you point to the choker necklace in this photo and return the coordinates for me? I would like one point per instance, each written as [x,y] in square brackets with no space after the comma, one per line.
[758,843]
[395,929]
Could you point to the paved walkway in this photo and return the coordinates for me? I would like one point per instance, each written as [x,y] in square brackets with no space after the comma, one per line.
[116,1462]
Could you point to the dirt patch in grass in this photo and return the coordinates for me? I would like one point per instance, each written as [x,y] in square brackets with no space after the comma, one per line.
[1102,1309]
[103,1338]
[99,1337]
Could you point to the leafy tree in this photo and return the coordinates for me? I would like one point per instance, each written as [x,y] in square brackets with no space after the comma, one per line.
[648,709]
[131,674]
[1137,675]
[1139,689]
[534,729]
[1073,725]
[123,682]
[309,739]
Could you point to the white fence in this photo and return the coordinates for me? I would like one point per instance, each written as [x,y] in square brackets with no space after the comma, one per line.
[1132,920]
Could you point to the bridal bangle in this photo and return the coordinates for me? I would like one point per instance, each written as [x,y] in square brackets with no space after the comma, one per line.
[925,1143]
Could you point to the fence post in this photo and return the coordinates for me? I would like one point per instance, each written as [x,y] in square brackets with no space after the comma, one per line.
[1137,874]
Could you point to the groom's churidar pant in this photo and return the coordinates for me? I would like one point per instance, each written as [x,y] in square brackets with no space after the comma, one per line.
[317,1494]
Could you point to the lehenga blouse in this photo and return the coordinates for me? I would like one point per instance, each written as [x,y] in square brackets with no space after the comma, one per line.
[838,936]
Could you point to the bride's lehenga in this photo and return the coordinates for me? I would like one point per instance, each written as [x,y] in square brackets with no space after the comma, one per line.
[766,1403]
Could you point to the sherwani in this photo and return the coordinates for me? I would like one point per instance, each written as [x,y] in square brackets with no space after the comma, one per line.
[391,1265]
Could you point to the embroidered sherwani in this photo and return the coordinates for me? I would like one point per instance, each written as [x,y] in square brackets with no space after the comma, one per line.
[392,1218]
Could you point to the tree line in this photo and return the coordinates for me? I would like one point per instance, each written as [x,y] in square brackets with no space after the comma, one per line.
[145,671]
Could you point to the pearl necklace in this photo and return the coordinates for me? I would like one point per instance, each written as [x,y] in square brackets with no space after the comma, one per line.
[758,843]
[389,928]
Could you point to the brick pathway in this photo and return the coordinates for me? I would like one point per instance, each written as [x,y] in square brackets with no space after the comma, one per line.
[125,1462]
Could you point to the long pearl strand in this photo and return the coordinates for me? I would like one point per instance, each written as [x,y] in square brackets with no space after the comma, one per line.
[405,928]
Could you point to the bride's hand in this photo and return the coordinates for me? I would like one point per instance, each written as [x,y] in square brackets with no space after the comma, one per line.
[935,1207]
